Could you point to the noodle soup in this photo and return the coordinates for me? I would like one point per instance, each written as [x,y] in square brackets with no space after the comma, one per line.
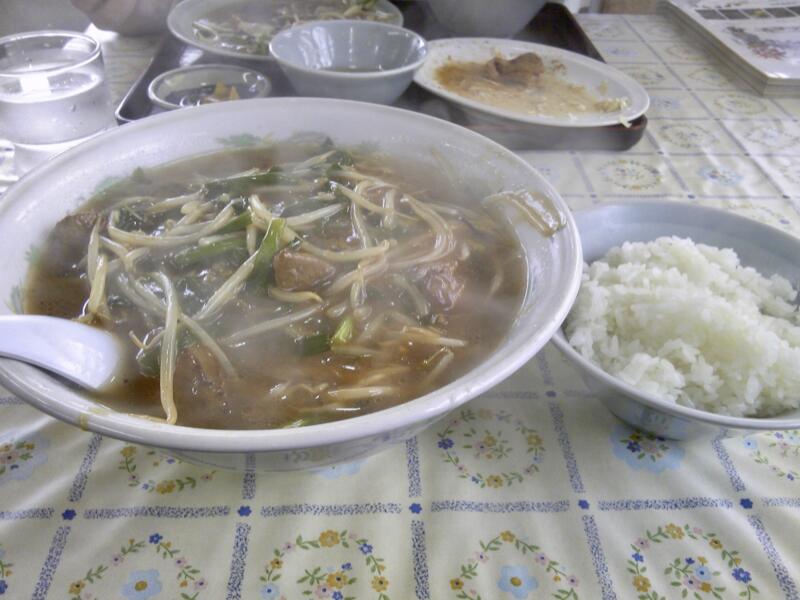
[284,286]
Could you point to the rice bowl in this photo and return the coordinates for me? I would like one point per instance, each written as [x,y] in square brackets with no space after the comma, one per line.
[765,248]
[687,322]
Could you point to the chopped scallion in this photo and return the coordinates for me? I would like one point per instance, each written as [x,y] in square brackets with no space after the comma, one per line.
[344,332]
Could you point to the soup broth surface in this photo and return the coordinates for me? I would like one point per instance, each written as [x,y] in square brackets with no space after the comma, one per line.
[283,286]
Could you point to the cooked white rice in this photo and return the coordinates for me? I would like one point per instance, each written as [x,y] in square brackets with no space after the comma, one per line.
[689,323]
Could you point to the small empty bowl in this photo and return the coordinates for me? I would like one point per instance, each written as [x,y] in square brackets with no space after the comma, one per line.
[355,60]
[203,84]
[760,246]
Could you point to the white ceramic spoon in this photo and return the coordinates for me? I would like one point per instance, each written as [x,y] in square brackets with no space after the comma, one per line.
[87,356]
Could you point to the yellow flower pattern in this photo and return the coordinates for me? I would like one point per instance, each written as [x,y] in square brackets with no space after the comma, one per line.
[165,487]
[186,575]
[674,531]
[331,581]
[688,574]
[337,580]
[494,481]
[482,434]
[641,583]
[513,578]
[76,587]
[129,464]
[5,570]
[328,538]
[380,584]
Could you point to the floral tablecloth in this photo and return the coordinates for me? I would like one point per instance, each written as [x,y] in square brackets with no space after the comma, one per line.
[531,491]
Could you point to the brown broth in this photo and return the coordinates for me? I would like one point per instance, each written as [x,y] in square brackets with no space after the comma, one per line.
[205,397]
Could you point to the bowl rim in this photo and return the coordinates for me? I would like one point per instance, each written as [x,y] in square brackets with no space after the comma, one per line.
[356,24]
[94,51]
[653,400]
[157,81]
[17,377]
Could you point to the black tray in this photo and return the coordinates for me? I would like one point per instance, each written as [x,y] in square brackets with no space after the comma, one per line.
[554,25]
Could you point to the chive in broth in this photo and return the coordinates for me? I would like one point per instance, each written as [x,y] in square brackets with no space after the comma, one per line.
[283,286]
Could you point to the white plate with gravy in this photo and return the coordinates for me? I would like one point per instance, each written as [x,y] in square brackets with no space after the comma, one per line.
[530,83]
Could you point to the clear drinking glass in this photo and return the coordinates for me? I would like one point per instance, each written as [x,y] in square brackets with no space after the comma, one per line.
[53,93]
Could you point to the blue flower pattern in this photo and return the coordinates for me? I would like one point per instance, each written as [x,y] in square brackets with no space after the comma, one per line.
[271,591]
[776,450]
[665,103]
[516,581]
[445,443]
[646,451]
[142,585]
[343,470]
[740,574]
[19,458]
[692,576]
[721,175]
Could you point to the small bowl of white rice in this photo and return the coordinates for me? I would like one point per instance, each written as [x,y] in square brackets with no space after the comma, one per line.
[687,320]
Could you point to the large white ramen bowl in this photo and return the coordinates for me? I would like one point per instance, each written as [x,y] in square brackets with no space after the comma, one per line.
[760,246]
[35,204]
